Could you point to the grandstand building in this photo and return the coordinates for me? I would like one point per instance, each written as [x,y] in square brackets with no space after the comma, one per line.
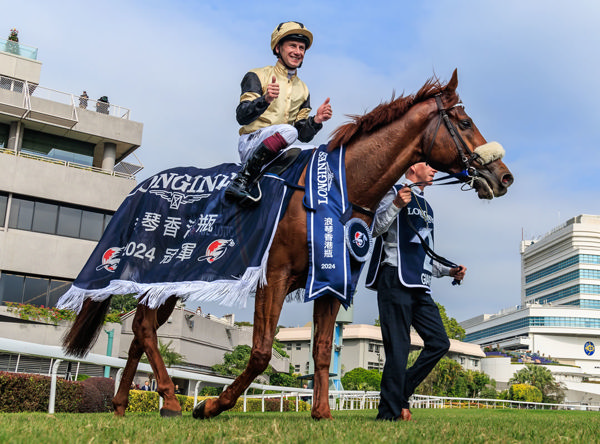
[558,318]
[63,177]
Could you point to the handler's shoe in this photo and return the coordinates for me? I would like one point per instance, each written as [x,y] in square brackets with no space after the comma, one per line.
[405,415]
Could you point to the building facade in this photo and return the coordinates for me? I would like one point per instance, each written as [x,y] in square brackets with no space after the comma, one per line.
[362,346]
[558,318]
[63,177]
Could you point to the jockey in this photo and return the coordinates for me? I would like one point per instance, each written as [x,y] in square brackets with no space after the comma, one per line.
[274,107]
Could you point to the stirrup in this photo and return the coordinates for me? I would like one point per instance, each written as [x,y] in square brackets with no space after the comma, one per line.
[249,200]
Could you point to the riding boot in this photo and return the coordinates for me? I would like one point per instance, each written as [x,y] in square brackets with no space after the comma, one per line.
[240,187]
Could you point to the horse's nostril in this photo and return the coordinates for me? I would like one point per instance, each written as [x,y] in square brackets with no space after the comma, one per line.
[507,180]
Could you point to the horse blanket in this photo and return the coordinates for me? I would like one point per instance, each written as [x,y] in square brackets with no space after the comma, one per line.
[177,234]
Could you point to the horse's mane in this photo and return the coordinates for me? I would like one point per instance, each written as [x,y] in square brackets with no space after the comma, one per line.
[383,114]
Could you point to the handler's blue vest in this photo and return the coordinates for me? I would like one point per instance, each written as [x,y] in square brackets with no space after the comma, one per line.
[414,266]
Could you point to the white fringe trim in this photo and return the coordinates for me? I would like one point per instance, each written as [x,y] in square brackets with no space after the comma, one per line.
[226,292]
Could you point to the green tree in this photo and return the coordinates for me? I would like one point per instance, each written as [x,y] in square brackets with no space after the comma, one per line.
[453,328]
[542,378]
[235,363]
[362,379]
[122,303]
[446,379]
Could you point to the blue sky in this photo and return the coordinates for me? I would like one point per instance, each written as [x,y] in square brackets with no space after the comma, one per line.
[527,73]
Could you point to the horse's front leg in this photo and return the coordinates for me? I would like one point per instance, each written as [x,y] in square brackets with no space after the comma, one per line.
[324,313]
[267,308]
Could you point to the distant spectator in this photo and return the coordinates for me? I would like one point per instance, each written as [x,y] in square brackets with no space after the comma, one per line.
[102,105]
[146,387]
[83,100]
[178,391]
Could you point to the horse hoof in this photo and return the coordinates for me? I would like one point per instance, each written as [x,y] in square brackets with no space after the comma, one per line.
[198,412]
[165,413]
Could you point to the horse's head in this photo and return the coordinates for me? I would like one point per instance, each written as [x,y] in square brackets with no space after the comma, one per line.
[452,143]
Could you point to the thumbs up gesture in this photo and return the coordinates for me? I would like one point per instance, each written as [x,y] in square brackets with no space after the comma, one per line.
[272,90]
[324,112]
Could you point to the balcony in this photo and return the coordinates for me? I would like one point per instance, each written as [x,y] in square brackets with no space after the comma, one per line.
[18,49]
[27,100]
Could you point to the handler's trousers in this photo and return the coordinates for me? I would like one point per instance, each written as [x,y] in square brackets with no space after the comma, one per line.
[399,307]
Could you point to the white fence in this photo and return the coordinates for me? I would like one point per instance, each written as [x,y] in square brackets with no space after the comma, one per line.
[440,402]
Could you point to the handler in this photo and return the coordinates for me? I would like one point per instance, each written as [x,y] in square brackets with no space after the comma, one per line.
[274,107]
[401,274]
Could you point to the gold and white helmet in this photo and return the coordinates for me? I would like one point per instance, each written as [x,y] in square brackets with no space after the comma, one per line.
[290,31]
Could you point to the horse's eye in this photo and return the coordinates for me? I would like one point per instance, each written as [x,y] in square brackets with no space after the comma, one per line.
[466,124]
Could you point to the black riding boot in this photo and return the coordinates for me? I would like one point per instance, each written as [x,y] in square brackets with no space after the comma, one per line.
[240,187]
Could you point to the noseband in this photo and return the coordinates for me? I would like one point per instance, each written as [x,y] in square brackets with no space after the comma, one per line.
[492,150]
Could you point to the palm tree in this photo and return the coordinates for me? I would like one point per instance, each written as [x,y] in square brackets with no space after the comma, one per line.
[170,356]
[542,378]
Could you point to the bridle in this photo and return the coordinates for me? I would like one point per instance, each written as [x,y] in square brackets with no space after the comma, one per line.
[467,156]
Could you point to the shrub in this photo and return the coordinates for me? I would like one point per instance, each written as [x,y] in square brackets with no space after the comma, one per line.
[97,395]
[21,392]
[525,392]
[210,391]
[142,401]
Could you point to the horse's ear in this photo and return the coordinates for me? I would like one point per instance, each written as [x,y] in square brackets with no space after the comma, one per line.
[453,83]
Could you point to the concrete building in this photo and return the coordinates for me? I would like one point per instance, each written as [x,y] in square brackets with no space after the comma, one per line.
[558,317]
[363,347]
[63,177]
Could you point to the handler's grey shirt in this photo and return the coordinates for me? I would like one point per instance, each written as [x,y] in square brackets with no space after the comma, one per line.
[385,216]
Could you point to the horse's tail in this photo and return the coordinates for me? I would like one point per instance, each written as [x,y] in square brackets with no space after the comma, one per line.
[86,328]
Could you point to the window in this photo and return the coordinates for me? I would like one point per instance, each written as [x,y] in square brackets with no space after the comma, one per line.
[4,130]
[297,368]
[3,206]
[374,366]
[11,288]
[57,289]
[298,346]
[36,291]
[32,290]
[69,221]
[44,218]
[374,347]
[54,218]
[92,225]
[288,346]
[57,147]
[21,214]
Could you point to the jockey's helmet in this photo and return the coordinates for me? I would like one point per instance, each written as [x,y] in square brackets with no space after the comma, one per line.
[290,31]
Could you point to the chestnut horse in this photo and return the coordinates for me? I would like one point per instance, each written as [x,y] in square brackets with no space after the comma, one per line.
[430,126]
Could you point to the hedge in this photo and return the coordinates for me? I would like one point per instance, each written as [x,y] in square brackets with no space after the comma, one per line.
[23,392]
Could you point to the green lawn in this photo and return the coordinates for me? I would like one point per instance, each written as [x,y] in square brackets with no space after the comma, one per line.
[437,426]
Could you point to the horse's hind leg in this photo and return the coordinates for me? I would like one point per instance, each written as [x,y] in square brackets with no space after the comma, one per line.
[324,313]
[267,308]
[145,324]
